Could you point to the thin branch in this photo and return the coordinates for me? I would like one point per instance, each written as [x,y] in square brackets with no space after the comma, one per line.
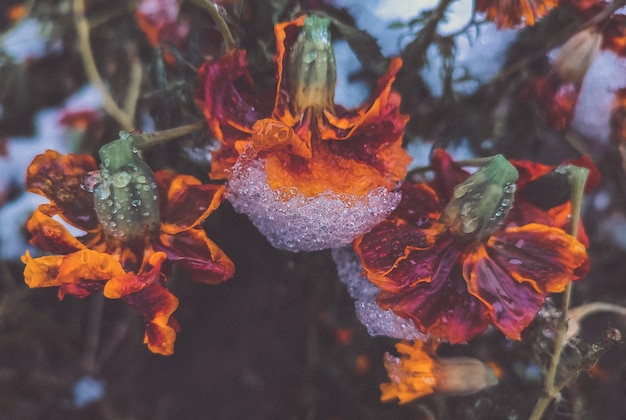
[215,12]
[84,47]
[144,140]
[577,177]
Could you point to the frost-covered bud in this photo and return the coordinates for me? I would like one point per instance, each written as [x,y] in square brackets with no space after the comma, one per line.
[125,194]
[480,204]
[577,55]
[311,69]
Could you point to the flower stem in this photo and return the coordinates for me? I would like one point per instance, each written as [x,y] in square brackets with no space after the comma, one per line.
[577,177]
[123,117]
[144,140]
[214,11]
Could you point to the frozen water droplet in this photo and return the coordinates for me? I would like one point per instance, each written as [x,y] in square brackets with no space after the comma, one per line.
[135,203]
[102,190]
[121,179]
[107,162]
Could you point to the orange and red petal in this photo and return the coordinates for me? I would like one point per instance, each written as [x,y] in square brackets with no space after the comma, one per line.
[441,307]
[325,172]
[186,202]
[85,272]
[269,134]
[512,305]
[545,257]
[197,255]
[50,235]
[79,274]
[60,178]
[156,305]
[150,273]
[228,97]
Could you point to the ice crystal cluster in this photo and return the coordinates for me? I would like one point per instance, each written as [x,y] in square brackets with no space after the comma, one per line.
[377,320]
[293,222]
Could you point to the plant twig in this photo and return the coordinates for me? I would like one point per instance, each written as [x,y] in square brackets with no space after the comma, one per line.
[577,177]
[144,140]
[86,53]
[214,11]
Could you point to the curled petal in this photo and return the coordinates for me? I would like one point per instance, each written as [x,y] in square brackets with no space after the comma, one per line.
[86,271]
[197,255]
[128,283]
[228,96]
[42,271]
[440,305]
[512,305]
[545,257]
[60,178]
[188,201]
[156,305]
[78,274]
[382,250]
[270,134]
[50,235]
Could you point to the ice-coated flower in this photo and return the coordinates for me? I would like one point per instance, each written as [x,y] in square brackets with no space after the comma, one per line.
[417,372]
[309,173]
[455,264]
[135,223]
[510,13]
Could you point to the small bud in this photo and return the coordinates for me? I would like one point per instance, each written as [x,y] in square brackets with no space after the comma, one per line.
[577,54]
[480,204]
[312,70]
[125,193]
[416,373]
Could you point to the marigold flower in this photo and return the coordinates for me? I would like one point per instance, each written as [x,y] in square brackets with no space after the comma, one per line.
[135,224]
[306,154]
[453,282]
[510,13]
[417,373]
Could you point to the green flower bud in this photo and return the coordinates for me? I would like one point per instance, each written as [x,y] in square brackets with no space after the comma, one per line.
[312,71]
[125,194]
[480,204]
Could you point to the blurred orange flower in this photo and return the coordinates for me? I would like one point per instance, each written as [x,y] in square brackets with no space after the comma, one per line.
[510,13]
[417,372]
[125,252]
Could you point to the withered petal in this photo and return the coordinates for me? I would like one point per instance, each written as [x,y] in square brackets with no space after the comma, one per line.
[156,305]
[269,134]
[50,235]
[442,306]
[60,178]
[84,272]
[197,255]
[389,242]
[512,305]
[128,283]
[42,271]
[546,258]
[186,202]
[227,96]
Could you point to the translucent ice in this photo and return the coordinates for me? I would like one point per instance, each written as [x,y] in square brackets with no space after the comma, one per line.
[300,223]
[377,320]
